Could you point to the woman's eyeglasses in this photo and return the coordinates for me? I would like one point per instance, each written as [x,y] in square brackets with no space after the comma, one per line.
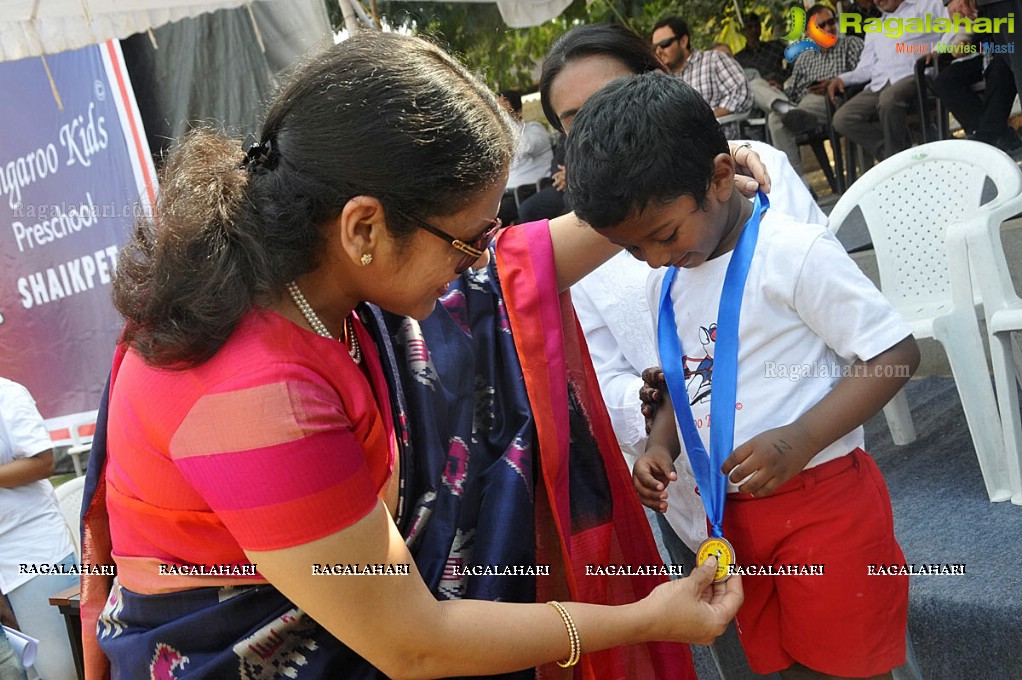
[666,42]
[470,251]
[829,23]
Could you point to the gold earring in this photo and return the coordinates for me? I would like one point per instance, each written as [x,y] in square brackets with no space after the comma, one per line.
[366,259]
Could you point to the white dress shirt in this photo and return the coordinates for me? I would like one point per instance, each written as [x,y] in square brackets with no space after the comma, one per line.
[532,158]
[881,63]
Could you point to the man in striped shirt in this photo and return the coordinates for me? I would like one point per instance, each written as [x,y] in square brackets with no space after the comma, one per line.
[807,87]
[714,75]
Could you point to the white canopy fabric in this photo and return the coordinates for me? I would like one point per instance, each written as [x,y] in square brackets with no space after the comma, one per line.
[29,28]
[525,13]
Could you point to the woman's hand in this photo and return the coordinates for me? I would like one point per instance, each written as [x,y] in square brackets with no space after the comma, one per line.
[694,609]
[750,174]
[394,622]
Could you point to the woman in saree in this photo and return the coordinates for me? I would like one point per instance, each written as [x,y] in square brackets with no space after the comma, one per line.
[258,419]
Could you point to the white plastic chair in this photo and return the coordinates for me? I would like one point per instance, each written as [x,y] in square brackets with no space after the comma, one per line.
[734,118]
[908,203]
[1002,309]
[69,499]
[79,445]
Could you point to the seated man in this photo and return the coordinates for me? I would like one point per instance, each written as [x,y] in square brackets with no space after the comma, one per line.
[1006,40]
[766,57]
[876,118]
[984,116]
[714,75]
[532,159]
[803,105]
[767,60]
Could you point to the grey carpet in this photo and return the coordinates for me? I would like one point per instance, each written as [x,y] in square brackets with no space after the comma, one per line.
[967,626]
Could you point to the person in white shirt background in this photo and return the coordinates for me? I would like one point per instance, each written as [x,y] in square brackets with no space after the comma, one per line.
[876,117]
[32,530]
[10,661]
[532,159]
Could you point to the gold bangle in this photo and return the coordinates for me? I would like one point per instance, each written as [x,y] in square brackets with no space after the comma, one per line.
[573,638]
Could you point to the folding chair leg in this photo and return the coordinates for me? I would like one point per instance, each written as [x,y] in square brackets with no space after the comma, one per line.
[1006,384]
[839,164]
[972,378]
[899,419]
[853,157]
[821,157]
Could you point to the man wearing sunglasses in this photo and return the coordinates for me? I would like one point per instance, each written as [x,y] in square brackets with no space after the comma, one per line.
[807,87]
[714,75]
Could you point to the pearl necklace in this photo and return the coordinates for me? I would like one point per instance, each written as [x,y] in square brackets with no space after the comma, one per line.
[355,351]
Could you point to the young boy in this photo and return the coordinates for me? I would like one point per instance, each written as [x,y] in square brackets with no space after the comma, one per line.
[819,352]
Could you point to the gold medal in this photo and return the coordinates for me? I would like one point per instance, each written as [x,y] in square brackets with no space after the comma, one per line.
[722,550]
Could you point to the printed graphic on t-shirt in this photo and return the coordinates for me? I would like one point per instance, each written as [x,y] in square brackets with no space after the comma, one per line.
[699,369]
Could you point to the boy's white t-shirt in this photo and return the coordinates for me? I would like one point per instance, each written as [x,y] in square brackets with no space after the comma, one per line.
[808,312]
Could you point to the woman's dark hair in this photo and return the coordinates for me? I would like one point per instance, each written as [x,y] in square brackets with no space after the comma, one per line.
[612,40]
[380,115]
[642,139]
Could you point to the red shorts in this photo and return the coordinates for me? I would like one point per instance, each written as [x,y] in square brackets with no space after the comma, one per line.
[844,622]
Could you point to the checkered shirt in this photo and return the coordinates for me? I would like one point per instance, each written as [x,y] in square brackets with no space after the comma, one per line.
[721,81]
[811,66]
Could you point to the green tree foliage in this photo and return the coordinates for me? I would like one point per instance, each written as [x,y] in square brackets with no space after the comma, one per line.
[510,58]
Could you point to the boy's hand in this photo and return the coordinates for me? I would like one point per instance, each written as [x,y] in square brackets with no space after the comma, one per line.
[651,475]
[771,458]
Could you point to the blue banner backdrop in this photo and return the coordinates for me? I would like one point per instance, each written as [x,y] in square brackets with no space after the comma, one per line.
[75,171]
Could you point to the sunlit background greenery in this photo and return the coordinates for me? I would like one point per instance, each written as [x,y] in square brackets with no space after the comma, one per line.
[509,58]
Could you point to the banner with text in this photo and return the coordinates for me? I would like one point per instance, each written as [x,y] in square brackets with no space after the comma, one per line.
[75,172]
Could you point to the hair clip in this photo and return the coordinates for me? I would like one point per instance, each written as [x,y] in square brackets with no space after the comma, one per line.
[260,156]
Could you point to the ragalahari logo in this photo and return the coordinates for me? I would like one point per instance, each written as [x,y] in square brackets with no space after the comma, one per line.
[817,36]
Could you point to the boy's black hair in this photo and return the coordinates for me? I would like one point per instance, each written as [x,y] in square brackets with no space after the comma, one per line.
[641,139]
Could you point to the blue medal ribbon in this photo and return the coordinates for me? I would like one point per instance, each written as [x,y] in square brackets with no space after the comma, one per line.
[723,396]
